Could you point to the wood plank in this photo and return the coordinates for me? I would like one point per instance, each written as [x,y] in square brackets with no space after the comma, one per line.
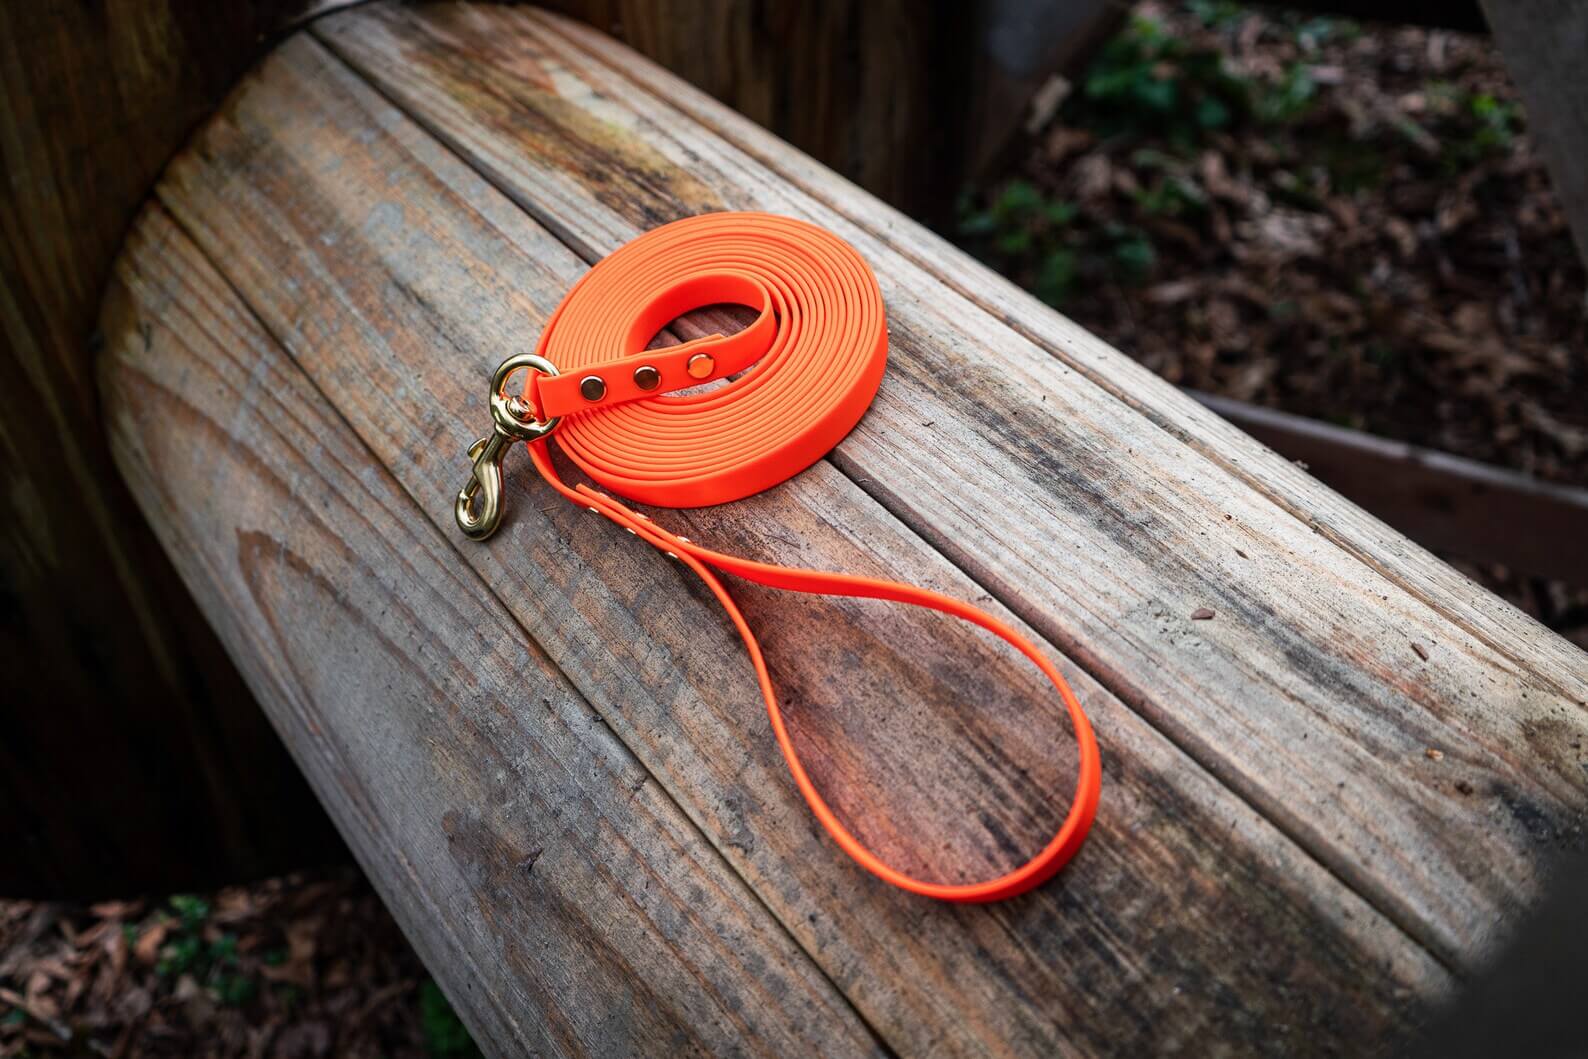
[396,277]
[522,848]
[1442,501]
[1543,43]
[1307,696]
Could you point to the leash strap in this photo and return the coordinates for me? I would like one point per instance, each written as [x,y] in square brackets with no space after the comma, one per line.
[811,363]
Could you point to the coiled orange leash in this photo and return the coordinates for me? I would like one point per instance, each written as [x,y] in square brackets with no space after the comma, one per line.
[811,363]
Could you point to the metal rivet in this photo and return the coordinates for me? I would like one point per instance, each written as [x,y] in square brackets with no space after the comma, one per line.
[593,387]
[700,365]
[646,377]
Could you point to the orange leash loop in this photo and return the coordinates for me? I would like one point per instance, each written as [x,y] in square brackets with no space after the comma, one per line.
[814,358]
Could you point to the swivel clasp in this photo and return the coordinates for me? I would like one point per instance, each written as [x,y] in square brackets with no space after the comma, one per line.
[479,504]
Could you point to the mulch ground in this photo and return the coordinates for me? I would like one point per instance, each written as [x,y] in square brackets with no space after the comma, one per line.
[307,965]
[1343,221]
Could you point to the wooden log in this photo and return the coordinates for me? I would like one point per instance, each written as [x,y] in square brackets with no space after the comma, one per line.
[522,847]
[1099,503]
[394,276]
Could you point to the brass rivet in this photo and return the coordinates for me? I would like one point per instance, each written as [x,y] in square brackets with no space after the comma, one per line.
[700,365]
[647,377]
[593,387]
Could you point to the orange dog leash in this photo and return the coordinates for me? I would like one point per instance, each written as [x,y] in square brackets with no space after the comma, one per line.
[811,363]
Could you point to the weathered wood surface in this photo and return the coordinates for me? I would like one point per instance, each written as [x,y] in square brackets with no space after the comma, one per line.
[390,271]
[1543,42]
[1096,501]
[573,906]
[1278,865]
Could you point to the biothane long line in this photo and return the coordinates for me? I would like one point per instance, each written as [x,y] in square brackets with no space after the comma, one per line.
[811,363]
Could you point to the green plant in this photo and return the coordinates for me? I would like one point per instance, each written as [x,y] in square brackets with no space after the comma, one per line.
[1216,14]
[192,911]
[445,1034]
[1132,253]
[1170,191]
[1148,81]
[1025,231]
[1496,121]
[1286,99]
[212,962]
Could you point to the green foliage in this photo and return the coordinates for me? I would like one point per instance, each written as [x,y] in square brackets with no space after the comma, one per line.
[1132,253]
[1170,191]
[180,956]
[1496,122]
[1056,275]
[1288,99]
[1217,14]
[192,911]
[444,1032]
[1311,32]
[234,990]
[1148,81]
[1044,243]
[211,962]
[1471,126]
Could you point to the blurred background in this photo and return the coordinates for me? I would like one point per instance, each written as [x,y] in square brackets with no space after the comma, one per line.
[1342,234]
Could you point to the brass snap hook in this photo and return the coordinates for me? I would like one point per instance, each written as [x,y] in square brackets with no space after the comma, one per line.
[479,505]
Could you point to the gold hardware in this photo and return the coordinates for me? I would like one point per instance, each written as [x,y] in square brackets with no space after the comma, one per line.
[592,387]
[647,377]
[700,365]
[479,505]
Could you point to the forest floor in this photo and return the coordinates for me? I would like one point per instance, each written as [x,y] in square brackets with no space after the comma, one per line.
[1343,221]
[306,965]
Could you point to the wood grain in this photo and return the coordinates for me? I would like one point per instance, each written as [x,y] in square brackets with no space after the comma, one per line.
[1091,498]
[395,277]
[524,850]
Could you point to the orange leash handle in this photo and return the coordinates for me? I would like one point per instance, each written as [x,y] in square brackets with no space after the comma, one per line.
[799,379]
[1035,872]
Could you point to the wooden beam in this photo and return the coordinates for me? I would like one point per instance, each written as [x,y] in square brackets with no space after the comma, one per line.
[394,275]
[1543,42]
[1442,501]
[1096,501]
